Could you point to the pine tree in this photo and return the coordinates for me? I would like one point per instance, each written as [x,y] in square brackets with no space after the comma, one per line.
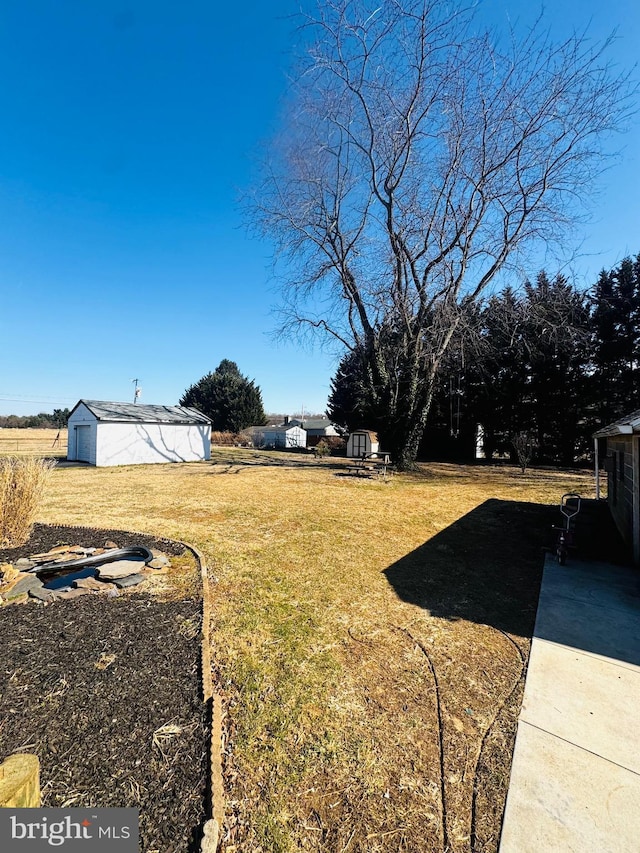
[604,348]
[497,376]
[524,372]
[231,400]
[557,334]
[615,387]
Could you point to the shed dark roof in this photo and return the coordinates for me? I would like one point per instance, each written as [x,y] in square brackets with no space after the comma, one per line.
[282,428]
[372,435]
[142,413]
[627,425]
[316,423]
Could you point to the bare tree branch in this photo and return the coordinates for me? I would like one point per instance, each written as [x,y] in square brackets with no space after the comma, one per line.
[419,156]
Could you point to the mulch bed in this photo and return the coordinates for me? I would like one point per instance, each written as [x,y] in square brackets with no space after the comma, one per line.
[107,693]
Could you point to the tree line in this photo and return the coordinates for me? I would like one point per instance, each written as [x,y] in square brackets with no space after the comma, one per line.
[551,362]
[56,420]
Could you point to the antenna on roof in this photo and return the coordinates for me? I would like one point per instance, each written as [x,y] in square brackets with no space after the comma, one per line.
[137,391]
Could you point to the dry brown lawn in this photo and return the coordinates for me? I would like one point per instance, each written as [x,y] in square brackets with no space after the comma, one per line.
[370,637]
[33,442]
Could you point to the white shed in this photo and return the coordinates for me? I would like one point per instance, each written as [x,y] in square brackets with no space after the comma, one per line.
[317,429]
[362,441]
[131,434]
[287,437]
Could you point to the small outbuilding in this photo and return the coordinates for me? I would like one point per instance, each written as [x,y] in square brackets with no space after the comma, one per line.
[362,441]
[622,464]
[103,434]
[317,429]
[286,437]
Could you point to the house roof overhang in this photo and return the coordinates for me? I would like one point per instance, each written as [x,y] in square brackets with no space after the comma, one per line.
[629,425]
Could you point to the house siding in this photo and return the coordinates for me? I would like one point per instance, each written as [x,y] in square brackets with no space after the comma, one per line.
[620,482]
[636,499]
[622,464]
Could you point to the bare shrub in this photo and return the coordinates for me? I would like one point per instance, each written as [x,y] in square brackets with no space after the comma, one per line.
[337,446]
[524,445]
[226,439]
[22,482]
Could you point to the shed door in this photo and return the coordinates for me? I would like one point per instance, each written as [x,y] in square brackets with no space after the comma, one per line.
[359,444]
[83,443]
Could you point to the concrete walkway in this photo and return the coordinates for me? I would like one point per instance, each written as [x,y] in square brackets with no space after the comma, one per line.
[575,779]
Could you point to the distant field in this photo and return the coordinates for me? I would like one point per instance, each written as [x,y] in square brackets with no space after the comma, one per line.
[33,442]
[370,638]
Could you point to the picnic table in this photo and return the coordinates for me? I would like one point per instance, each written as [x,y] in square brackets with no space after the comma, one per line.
[373,462]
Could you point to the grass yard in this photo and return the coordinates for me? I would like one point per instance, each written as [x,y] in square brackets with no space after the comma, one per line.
[370,637]
[34,442]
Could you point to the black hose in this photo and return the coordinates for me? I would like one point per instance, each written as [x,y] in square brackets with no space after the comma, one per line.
[107,557]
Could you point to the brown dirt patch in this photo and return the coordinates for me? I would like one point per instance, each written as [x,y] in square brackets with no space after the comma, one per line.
[89,684]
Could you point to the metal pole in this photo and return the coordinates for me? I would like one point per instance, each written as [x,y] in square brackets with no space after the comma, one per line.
[597,472]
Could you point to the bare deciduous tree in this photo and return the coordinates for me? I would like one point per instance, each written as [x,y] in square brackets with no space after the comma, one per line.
[524,446]
[418,156]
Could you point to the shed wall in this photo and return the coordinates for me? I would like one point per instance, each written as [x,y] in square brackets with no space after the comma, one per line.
[357,440]
[138,444]
[296,437]
[293,438]
[82,417]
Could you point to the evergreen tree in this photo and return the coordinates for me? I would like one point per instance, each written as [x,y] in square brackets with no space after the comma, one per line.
[603,319]
[231,400]
[522,370]
[499,376]
[616,342]
[60,417]
[349,404]
[548,361]
[484,381]
[557,334]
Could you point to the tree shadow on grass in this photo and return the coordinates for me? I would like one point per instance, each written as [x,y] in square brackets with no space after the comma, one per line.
[270,459]
[485,568]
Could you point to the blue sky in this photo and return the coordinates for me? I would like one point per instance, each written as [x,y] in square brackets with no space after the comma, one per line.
[127,131]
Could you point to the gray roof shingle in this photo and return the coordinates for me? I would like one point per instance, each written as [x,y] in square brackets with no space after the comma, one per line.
[143,413]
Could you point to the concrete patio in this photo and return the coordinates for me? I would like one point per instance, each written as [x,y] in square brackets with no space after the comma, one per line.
[575,779]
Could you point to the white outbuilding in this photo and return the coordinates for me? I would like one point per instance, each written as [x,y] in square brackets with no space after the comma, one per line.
[285,437]
[104,434]
[316,429]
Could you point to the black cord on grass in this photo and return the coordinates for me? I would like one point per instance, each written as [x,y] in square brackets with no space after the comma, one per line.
[474,796]
[443,799]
